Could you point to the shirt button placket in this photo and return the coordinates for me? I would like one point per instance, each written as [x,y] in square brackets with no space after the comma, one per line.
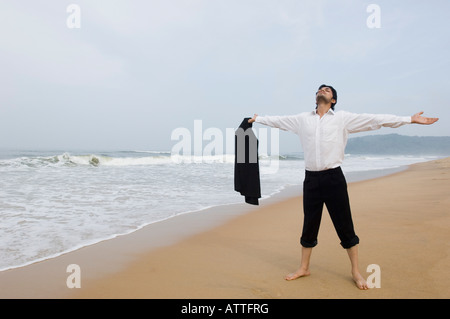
[318,162]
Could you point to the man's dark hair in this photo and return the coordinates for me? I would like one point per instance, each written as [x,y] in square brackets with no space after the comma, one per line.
[334,94]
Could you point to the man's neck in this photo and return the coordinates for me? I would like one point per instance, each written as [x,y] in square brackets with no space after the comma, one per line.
[323,108]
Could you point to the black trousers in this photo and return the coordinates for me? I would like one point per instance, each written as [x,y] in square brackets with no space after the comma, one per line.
[327,187]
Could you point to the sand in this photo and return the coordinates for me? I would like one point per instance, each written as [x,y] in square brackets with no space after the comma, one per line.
[243,252]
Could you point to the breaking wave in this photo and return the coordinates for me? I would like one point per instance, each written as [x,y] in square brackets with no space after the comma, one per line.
[124,159]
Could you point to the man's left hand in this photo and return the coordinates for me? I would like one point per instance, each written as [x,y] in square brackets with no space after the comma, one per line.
[419,119]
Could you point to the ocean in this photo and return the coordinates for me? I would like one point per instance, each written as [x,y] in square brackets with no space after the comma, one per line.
[53,202]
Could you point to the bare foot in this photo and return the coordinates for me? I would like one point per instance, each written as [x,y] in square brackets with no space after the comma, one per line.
[360,281]
[299,273]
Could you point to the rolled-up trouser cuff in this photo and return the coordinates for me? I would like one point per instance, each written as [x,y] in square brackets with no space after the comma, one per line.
[350,243]
[308,244]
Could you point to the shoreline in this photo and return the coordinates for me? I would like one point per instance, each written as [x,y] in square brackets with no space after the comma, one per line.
[285,192]
[114,256]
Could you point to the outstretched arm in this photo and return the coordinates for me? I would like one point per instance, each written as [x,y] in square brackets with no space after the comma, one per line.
[289,123]
[419,119]
[355,123]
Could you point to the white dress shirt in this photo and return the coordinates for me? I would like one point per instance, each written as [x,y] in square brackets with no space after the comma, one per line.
[324,139]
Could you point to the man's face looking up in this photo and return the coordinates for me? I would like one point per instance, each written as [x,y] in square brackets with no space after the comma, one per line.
[325,95]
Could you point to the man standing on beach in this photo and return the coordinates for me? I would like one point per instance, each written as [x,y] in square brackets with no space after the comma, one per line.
[323,134]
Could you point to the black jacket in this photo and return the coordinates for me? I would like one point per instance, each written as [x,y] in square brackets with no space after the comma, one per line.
[246,163]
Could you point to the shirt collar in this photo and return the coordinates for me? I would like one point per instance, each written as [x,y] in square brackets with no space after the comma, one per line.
[330,111]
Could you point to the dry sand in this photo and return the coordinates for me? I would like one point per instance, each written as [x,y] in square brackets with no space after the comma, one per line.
[402,221]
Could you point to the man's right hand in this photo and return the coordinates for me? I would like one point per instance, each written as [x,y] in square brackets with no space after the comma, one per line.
[253,119]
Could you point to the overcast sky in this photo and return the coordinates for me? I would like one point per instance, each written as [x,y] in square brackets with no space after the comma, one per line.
[136,70]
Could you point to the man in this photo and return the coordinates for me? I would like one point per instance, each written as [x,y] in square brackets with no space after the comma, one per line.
[323,134]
